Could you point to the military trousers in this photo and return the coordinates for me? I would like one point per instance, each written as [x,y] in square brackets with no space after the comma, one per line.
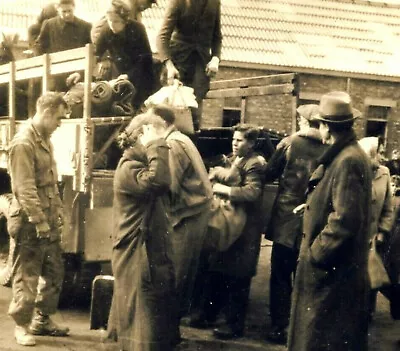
[36,258]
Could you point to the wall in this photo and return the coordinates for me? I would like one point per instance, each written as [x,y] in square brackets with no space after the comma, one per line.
[274,112]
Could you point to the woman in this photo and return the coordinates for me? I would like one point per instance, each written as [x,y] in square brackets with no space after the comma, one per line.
[382,214]
[129,51]
[231,271]
[143,302]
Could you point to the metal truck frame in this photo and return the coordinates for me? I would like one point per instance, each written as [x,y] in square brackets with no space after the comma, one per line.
[86,187]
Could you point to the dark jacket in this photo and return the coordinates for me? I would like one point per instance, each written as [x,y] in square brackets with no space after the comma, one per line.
[293,162]
[131,54]
[240,260]
[57,35]
[185,29]
[144,285]
[329,306]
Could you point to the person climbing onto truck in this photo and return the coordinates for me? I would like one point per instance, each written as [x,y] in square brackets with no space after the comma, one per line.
[129,51]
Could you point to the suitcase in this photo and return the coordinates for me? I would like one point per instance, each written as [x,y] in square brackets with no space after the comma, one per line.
[102,292]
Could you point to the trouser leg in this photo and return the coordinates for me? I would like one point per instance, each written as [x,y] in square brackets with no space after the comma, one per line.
[283,266]
[187,242]
[238,299]
[27,269]
[52,275]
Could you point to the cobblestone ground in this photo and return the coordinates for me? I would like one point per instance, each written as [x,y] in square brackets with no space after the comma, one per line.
[383,333]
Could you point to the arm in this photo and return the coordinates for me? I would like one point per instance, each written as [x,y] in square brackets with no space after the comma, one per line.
[179,162]
[277,163]
[22,172]
[43,40]
[155,177]
[217,35]
[386,217]
[347,214]
[171,17]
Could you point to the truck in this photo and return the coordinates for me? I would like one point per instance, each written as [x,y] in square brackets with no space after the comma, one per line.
[85,181]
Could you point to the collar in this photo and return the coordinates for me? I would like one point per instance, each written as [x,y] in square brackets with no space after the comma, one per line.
[39,138]
[342,142]
[63,24]
[328,156]
[311,133]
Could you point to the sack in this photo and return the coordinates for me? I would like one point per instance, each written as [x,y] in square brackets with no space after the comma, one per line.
[180,98]
[378,276]
[225,225]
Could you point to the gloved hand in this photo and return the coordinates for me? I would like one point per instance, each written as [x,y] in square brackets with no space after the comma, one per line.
[212,66]
[172,72]
[72,79]
[42,230]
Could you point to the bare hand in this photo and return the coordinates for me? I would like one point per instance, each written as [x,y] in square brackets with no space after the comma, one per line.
[212,67]
[43,230]
[172,72]
[72,79]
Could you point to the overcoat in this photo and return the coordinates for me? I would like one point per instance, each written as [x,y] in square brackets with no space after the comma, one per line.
[329,306]
[240,260]
[144,291]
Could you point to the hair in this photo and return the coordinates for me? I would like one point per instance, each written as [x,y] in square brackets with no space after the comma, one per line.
[131,133]
[51,100]
[66,2]
[338,128]
[250,132]
[165,112]
[119,8]
[370,146]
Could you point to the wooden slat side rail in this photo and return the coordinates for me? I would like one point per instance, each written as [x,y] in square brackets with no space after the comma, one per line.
[251,91]
[60,62]
[253,81]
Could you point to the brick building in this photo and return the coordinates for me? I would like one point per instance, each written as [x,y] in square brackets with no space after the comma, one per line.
[350,45]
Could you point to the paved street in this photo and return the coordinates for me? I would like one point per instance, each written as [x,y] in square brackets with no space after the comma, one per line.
[383,335]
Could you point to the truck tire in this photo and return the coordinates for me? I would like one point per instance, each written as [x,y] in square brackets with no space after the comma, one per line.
[7,244]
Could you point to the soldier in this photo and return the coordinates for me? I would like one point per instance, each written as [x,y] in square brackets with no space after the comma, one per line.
[35,223]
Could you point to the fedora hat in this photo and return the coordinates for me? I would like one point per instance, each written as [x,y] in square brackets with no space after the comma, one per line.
[309,111]
[336,107]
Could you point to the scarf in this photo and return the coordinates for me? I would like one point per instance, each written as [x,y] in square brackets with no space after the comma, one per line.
[345,140]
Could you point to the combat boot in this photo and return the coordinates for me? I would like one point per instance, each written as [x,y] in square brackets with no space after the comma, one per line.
[23,337]
[42,324]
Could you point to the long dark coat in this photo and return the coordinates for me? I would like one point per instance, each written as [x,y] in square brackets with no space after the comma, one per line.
[144,291]
[240,260]
[329,309]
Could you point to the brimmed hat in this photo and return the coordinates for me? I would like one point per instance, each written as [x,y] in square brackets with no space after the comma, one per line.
[309,112]
[336,107]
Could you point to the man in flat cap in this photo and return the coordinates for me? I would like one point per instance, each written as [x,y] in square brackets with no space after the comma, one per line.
[292,163]
[330,295]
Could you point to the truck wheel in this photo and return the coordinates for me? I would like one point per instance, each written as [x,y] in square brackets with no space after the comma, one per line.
[7,244]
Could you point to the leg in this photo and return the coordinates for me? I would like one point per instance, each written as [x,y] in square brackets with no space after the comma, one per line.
[236,307]
[201,85]
[49,292]
[27,269]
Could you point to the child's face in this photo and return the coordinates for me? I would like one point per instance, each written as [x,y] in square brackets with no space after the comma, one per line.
[240,145]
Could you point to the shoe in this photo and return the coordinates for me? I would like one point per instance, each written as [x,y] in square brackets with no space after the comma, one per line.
[226,332]
[23,337]
[43,325]
[277,336]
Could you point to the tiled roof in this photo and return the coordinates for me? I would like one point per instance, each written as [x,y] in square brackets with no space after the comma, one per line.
[354,36]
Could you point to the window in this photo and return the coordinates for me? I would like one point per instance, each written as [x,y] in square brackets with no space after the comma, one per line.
[376,121]
[230,117]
